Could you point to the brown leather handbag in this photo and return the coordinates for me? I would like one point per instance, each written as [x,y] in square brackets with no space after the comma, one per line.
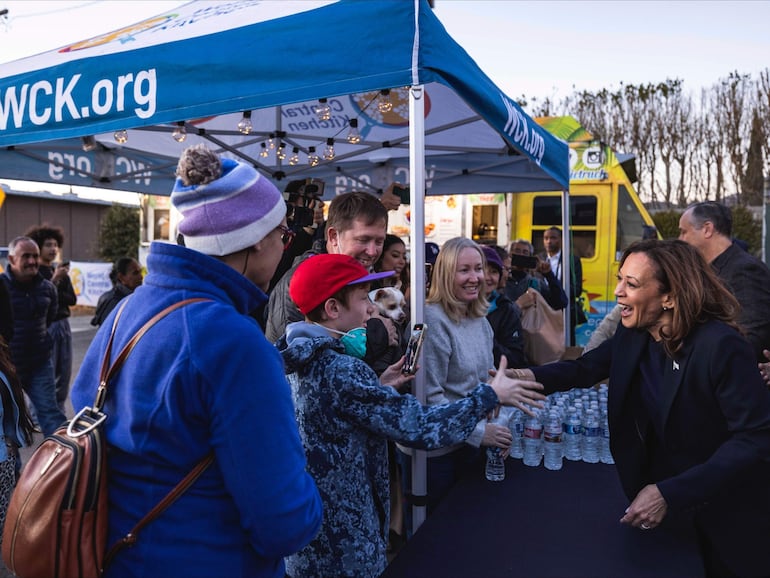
[56,524]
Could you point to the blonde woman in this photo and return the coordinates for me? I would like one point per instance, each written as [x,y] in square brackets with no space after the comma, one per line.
[457,356]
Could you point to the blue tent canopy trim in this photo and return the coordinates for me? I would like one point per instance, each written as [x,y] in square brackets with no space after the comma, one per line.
[202,66]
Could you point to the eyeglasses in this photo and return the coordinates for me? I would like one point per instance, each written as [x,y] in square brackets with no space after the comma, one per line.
[287,236]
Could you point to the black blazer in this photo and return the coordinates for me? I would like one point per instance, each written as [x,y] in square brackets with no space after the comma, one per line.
[715,413]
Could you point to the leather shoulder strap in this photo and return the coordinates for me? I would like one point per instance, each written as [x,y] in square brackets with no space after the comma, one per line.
[108,371]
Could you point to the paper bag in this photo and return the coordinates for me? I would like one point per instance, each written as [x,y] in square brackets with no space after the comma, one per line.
[543,332]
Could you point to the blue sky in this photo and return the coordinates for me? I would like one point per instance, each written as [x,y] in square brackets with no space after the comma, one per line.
[533,48]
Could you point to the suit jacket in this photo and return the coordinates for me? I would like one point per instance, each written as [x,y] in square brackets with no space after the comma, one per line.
[713,461]
[748,279]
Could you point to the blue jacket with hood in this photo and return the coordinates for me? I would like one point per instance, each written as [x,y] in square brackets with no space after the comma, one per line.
[346,417]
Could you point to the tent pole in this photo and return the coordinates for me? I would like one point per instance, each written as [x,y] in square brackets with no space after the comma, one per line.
[417,270]
[566,263]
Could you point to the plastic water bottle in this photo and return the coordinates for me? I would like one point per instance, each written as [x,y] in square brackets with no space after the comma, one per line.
[591,437]
[495,470]
[533,431]
[573,435]
[516,425]
[605,455]
[552,450]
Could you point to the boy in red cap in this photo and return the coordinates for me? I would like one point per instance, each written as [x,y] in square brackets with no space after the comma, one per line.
[346,414]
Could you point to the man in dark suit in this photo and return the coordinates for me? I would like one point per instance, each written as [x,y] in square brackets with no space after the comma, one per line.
[707,226]
[552,243]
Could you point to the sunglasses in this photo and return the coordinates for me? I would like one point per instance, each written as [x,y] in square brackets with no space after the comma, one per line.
[287,236]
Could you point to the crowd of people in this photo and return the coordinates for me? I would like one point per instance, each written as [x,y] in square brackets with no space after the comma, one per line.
[290,370]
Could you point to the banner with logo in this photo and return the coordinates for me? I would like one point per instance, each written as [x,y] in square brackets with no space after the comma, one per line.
[90,280]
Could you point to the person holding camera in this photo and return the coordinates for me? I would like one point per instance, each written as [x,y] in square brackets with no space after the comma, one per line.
[304,216]
[523,279]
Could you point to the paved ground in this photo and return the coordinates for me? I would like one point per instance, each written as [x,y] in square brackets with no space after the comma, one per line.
[82,334]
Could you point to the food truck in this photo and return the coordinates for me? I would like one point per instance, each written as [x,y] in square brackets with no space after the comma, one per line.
[606,214]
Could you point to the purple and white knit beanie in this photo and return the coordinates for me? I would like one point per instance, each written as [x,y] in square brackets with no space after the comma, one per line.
[228,214]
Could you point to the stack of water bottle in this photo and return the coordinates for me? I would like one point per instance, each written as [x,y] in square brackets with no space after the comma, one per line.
[571,425]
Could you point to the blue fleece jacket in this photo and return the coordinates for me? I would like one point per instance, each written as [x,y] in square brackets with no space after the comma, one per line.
[203,378]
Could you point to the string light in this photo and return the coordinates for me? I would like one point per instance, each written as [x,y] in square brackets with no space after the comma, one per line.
[323,110]
[329,153]
[244,125]
[312,158]
[121,136]
[280,154]
[89,143]
[271,141]
[294,158]
[384,103]
[263,153]
[354,137]
[180,132]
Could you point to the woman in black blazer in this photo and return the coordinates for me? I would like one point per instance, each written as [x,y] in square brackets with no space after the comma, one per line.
[689,413]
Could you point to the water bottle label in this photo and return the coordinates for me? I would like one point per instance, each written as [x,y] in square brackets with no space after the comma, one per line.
[519,429]
[592,431]
[532,433]
[554,437]
[571,429]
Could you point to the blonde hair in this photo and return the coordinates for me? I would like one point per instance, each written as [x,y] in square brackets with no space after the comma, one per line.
[443,280]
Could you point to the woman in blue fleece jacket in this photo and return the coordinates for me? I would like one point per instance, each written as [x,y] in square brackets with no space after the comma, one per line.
[205,378]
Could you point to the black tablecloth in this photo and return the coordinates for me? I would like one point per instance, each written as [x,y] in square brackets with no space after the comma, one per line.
[541,523]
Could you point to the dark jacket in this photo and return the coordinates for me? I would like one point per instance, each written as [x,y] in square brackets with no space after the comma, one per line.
[549,287]
[107,302]
[715,446]
[380,354]
[280,308]
[34,308]
[505,318]
[65,292]
[748,279]
[6,313]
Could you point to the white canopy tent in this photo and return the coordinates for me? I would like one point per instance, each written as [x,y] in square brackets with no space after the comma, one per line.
[206,65]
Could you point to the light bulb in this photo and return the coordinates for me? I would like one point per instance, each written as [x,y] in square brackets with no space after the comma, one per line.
[312,158]
[383,102]
[294,158]
[89,143]
[354,137]
[121,136]
[323,110]
[180,132]
[263,153]
[271,141]
[244,125]
[329,150]
[280,154]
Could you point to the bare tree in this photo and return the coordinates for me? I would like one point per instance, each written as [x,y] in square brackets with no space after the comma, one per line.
[685,150]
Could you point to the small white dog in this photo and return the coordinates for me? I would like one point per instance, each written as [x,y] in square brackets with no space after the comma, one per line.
[390,302]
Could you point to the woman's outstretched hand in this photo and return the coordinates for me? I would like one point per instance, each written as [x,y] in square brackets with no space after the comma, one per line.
[521,393]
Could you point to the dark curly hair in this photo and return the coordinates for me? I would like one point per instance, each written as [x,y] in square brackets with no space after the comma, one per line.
[46,231]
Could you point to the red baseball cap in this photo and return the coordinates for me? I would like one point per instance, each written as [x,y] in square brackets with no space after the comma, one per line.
[319,277]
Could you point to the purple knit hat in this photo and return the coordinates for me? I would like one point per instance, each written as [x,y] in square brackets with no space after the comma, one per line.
[233,212]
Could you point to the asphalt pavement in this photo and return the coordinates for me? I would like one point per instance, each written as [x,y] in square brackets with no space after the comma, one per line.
[82,334]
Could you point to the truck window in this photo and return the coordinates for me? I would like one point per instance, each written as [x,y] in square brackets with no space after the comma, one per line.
[546,212]
[630,221]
